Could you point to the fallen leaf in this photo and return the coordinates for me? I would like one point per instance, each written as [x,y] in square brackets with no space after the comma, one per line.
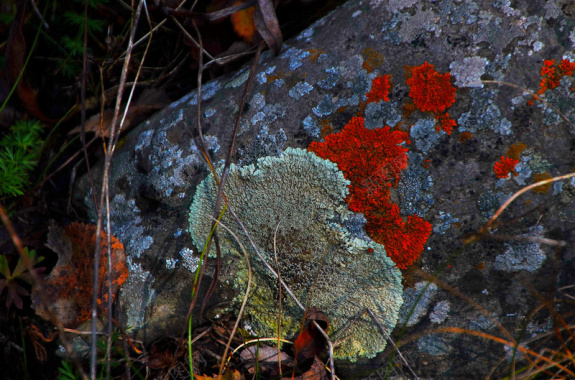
[265,356]
[311,342]
[69,285]
[243,22]
[316,372]
[16,57]
[228,375]
[162,351]
[267,25]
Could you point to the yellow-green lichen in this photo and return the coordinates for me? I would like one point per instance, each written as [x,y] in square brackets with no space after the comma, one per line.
[305,195]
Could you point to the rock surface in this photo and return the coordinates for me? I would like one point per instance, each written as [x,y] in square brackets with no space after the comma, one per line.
[314,87]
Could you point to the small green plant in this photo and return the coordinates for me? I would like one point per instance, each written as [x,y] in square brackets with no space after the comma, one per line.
[67,371]
[20,273]
[19,153]
[73,43]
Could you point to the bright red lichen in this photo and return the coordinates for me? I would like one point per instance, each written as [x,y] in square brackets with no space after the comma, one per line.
[372,161]
[380,89]
[551,75]
[430,90]
[444,123]
[504,166]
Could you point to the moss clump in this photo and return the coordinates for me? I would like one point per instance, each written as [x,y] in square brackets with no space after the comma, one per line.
[305,195]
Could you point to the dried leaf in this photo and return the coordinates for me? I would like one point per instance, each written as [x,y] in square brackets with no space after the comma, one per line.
[16,56]
[69,285]
[267,25]
[229,375]
[264,355]
[316,372]
[311,342]
[162,351]
[243,23]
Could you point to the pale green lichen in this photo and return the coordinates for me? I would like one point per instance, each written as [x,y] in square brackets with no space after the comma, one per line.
[306,196]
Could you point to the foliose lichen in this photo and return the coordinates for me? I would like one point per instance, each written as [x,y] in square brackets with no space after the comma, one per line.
[521,255]
[420,296]
[304,197]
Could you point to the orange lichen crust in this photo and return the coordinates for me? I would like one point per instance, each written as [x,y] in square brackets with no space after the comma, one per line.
[465,137]
[380,89]
[515,150]
[72,279]
[504,166]
[541,177]
[551,75]
[430,90]
[372,161]
[371,59]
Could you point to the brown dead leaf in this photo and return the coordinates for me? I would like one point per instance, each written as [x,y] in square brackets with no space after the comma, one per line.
[229,375]
[69,285]
[162,351]
[268,25]
[15,59]
[265,356]
[316,372]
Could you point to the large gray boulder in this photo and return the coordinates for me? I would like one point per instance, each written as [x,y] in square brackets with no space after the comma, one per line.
[314,87]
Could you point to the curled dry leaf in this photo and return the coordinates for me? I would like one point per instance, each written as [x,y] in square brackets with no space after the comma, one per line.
[265,356]
[267,24]
[311,342]
[69,285]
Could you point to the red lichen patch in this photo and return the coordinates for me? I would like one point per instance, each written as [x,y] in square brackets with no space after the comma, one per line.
[371,59]
[444,123]
[566,67]
[430,90]
[551,74]
[542,177]
[465,137]
[69,285]
[504,166]
[372,161]
[380,89]
[515,150]
[314,54]
[243,22]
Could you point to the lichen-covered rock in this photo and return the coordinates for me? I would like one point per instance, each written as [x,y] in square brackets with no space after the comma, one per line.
[313,88]
[304,197]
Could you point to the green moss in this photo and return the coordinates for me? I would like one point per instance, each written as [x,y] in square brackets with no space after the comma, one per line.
[306,195]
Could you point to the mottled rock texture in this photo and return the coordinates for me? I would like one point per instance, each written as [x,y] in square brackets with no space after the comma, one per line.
[314,87]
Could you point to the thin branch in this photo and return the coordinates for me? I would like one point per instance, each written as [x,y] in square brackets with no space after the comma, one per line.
[535,96]
[486,228]
[245,297]
[114,134]
[376,320]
